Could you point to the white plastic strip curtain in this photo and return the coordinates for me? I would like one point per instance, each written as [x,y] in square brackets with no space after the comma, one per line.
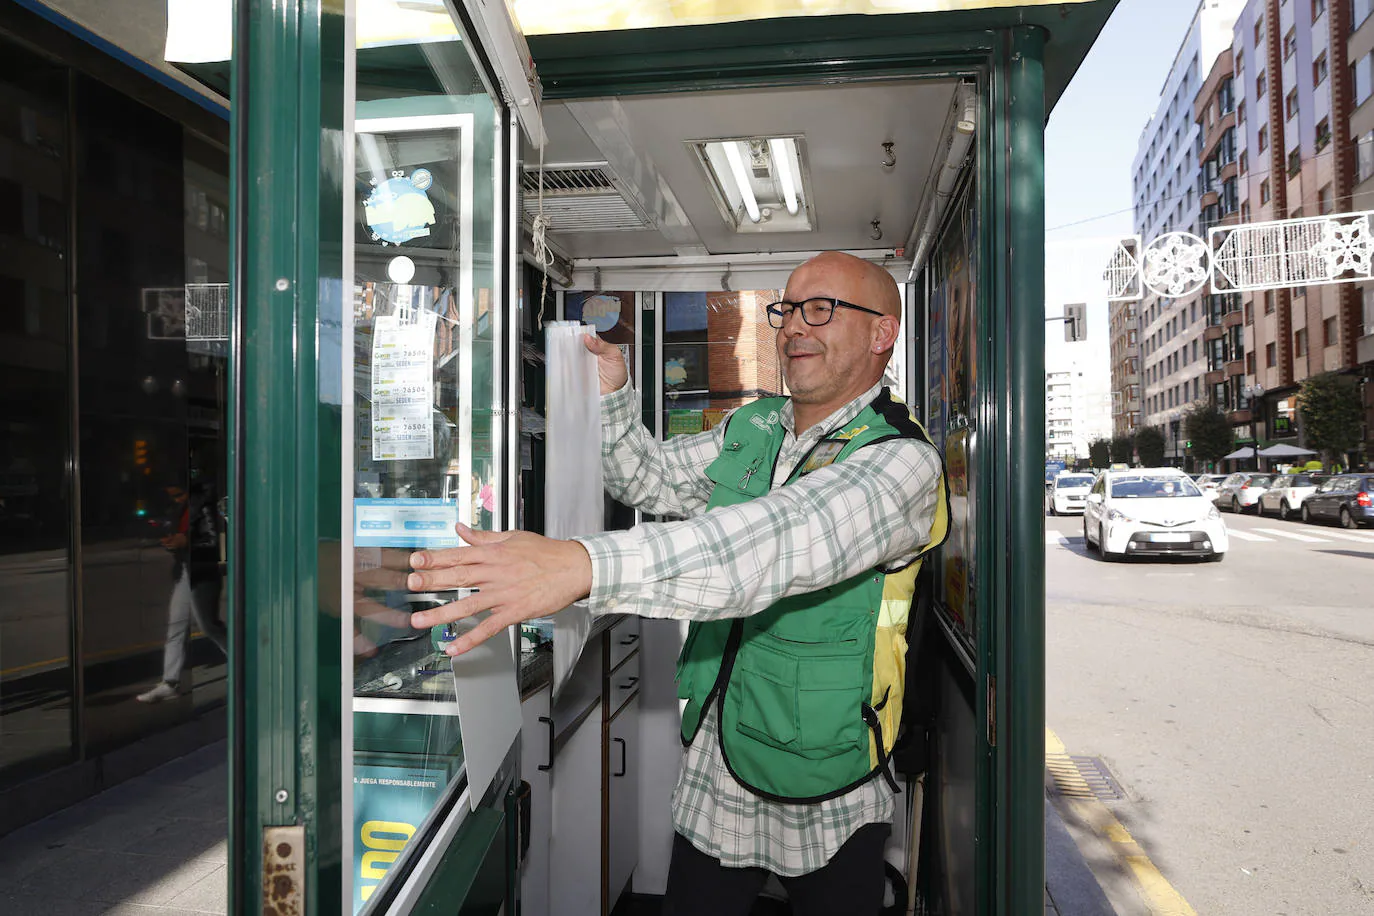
[573,501]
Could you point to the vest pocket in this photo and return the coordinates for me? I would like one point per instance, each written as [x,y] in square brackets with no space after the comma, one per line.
[767,690]
[830,707]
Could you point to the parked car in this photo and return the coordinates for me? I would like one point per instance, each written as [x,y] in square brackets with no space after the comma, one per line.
[1208,484]
[1066,493]
[1286,493]
[1151,512]
[1345,498]
[1242,490]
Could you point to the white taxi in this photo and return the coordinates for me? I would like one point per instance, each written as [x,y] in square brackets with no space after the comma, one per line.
[1067,492]
[1151,512]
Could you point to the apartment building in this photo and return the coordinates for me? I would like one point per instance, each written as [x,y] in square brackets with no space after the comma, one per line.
[1360,53]
[1078,409]
[1158,374]
[1294,94]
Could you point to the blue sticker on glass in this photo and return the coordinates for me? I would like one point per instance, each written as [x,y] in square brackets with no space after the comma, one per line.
[398,210]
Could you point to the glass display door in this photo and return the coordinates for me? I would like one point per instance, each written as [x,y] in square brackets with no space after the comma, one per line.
[374,327]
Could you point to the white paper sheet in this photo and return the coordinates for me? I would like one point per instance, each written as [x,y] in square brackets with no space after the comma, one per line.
[487,689]
[574,501]
[403,386]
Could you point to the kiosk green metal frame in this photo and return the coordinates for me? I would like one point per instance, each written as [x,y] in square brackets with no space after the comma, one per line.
[289,90]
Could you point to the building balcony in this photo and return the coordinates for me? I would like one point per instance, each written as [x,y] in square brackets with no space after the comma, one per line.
[1215,377]
[1235,367]
[1213,332]
[1210,198]
[1364,349]
[1212,138]
[1233,319]
[1237,417]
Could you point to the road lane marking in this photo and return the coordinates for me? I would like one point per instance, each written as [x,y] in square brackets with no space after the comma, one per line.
[1160,896]
[1246,536]
[1278,532]
[1055,539]
[1356,536]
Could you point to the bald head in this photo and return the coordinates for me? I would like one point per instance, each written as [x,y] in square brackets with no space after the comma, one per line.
[865,283]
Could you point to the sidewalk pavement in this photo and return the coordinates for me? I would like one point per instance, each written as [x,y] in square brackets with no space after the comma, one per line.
[155,846]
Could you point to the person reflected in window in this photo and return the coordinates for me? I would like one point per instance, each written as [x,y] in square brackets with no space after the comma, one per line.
[197,579]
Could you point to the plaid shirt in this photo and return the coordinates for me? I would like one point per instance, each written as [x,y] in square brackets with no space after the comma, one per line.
[873,509]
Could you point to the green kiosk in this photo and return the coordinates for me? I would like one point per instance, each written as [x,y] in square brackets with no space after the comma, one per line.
[417,185]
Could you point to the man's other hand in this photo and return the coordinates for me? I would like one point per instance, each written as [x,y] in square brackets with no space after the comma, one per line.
[519,576]
[610,364]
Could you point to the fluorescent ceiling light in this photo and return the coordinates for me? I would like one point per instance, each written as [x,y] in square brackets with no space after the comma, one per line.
[781,155]
[746,190]
[759,183]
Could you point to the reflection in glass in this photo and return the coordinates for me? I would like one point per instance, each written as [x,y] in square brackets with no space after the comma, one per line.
[426,421]
[35,508]
[718,353]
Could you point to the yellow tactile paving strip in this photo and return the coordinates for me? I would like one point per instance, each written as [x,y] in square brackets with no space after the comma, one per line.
[1077,797]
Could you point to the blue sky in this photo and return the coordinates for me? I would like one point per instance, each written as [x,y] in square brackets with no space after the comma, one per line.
[1091,137]
[1090,142]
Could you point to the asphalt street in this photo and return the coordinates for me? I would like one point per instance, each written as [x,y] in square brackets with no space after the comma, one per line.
[1234,704]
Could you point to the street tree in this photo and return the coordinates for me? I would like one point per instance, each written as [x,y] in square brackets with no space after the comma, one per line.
[1149,445]
[1329,405]
[1211,435]
[1100,453]
[1120,449]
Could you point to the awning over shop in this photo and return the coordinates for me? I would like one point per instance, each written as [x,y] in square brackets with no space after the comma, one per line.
[1246,452]
[1282,450]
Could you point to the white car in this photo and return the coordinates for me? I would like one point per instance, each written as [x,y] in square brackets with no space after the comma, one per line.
[1286,493]
[1067,493]
[1209,484]
[1151,512]
[1242,490]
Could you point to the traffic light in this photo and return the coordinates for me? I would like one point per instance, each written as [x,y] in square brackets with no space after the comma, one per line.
[1075,322]
[140,452]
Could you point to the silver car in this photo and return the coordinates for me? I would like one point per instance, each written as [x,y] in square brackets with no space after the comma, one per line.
[1242,490]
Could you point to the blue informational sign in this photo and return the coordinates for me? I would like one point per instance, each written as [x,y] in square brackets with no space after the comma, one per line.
[389,804]
[409,523]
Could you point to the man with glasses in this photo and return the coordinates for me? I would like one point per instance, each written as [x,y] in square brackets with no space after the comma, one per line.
[805,520]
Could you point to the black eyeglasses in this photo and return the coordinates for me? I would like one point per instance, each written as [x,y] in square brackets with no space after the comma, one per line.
[814,312]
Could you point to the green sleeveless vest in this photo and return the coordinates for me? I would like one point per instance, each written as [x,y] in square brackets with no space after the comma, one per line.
[809,691]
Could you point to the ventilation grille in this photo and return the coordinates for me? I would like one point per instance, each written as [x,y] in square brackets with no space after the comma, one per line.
[561,181]
[582,198]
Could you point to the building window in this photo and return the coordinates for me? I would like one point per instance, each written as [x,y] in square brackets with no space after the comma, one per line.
[1319,69]
[1240,112]
[1323,133]
[1245,211]
[1290,104]
[1329,332]
[1249,364]
[1259,29]
[1244,161]
[1249,315]
[1318,7]
[1360,77]
[1290,43]
[1264,191]
[1294,161]
[1300,342]
[1359,12]
[1268,302]
[1260,85]
[1270,353]
[1263,137]
[1325,201]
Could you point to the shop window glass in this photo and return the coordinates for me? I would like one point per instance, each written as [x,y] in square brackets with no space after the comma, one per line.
[719,352]
[35,507]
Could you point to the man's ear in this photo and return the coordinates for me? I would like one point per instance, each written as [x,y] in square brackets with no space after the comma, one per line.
[886,338]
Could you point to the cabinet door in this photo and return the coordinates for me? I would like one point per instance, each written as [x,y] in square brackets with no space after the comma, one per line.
[623,803]
[575,864]
[536,754]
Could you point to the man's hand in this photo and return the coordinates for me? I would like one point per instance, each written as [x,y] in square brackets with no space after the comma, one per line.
[610,364]
[520,576]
